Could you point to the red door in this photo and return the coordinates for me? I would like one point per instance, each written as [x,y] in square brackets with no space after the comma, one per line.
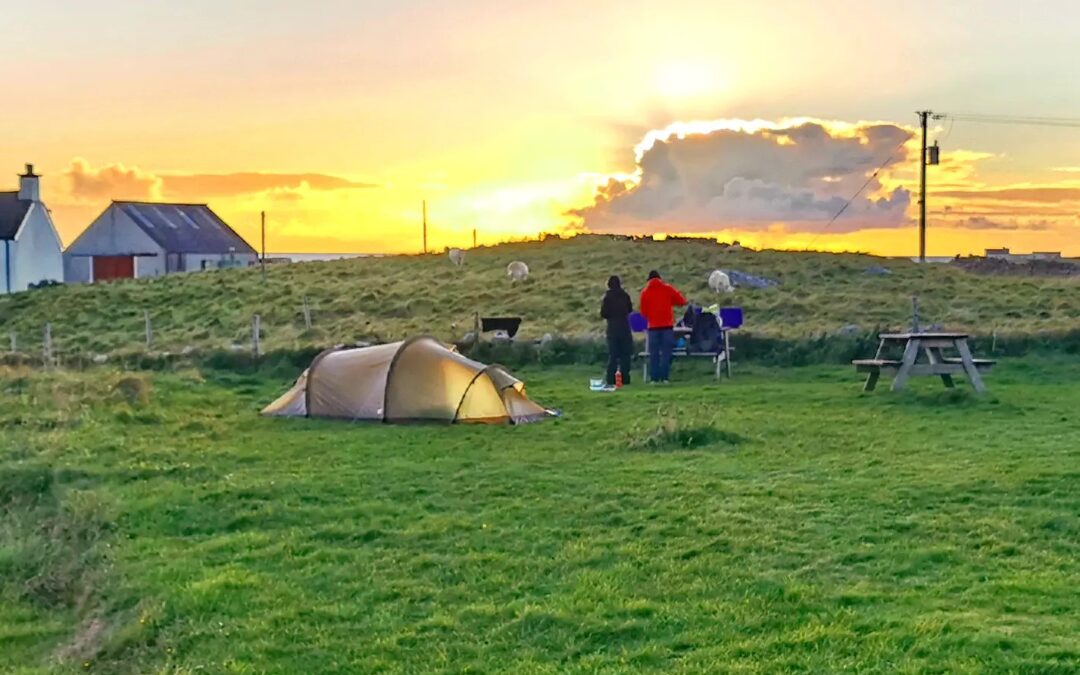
[108,267]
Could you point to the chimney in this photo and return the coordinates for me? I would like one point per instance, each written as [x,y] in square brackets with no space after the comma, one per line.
[29,188]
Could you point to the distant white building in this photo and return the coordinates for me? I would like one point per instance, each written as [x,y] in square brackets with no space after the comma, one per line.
[1006,254]
[133,240]
[31,246]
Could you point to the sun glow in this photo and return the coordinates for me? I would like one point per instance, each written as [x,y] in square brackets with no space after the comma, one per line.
[688,80]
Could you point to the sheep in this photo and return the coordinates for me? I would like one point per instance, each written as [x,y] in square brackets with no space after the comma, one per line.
[517,271]
[719,282]
[457,256]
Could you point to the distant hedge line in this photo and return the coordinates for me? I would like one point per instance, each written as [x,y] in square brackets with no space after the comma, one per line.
[747,347]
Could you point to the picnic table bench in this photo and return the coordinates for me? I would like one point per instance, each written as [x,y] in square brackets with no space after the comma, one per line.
[932,346]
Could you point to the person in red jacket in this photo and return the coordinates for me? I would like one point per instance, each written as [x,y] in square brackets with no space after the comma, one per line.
[657,304]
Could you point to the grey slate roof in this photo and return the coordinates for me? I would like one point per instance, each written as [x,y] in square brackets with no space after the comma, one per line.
[12,212]
[184,228]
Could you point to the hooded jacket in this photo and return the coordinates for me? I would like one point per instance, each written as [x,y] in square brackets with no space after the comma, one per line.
[658,303]
[616,309]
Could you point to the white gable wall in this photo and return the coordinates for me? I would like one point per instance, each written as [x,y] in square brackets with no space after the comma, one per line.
[6,250]
[112,233]
[35,252]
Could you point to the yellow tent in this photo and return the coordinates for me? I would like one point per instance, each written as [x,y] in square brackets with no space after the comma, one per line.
[418,379]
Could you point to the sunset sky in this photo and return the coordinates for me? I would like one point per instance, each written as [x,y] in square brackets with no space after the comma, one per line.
[745,120]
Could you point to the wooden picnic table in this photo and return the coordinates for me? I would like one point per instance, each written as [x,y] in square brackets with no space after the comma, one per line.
[721,358]
[937,363]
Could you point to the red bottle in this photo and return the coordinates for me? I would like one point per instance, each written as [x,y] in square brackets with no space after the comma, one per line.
[618,379]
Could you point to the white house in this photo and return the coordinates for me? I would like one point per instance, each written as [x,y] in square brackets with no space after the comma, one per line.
[31,247]
[146,239]
[1006,254]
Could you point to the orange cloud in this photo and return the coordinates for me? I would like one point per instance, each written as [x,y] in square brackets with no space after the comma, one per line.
[208,186]
[706,176]
[1018,194]
[114,181]
[117,181]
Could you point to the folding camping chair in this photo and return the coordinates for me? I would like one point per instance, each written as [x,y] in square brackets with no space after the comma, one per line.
[504,328]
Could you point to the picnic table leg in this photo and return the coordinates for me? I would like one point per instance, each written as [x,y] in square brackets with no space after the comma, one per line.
[871,380]
[969,366]
[911,352]
[880,348]
[727,354]
[934,355]
[645,361]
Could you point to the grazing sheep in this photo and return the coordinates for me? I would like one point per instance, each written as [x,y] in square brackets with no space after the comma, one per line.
[517,271]
[457,256]
[719,282]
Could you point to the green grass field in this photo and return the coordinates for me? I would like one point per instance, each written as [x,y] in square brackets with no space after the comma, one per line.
[389,298]
[781,521]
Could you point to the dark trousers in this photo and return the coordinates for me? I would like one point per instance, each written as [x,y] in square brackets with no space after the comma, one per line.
[620,349]
[661,347]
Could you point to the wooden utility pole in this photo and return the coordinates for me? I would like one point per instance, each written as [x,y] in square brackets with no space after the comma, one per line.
[923,117]
[262,219]
[474,237]
[425,226]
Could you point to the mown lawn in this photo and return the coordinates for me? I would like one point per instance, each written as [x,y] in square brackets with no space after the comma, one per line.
[806,527]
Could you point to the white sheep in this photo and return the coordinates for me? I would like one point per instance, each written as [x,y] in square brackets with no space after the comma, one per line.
[457,256]
[720,282]
[517,270]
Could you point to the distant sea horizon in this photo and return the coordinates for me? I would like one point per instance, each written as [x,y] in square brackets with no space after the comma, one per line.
[320,257]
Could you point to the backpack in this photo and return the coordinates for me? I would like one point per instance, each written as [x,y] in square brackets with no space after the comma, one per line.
[705,336]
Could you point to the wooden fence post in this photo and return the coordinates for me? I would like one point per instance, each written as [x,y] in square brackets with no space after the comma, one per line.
[47,348]
[256,328]
[993,344]
[149,329]
[307,315]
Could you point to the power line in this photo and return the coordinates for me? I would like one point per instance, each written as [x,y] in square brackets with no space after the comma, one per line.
[1023,120]
[980,118]
[887,162]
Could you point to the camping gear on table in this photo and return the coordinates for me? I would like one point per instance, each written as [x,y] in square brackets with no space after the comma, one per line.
[420,379]
[706,335]
[731,317]
[703,333]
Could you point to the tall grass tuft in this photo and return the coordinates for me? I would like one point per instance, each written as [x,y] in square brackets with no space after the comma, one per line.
[669,433]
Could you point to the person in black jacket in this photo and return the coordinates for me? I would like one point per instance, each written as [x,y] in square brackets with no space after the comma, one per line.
[616,309]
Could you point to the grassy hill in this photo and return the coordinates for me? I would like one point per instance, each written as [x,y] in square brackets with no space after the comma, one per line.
[385,298]
[777,522]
